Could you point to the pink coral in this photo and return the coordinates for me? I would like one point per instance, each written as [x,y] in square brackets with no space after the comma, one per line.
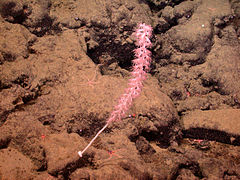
[141,64]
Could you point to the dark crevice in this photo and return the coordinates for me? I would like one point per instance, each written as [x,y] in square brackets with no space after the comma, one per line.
[30,94]
[85,161]
[157,6]
[45,25]
[3,117]
[192,166]
[18,17]
[22,80]
[4,143]
[212,84]
[85,129]
[212,135]
[47,119]
[109,50]
[8,57]
[162,137]
[4,86]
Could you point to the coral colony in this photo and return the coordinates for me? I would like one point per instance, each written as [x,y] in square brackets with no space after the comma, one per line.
[141,65]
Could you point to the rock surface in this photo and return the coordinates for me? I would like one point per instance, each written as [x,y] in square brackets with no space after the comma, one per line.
[63,65]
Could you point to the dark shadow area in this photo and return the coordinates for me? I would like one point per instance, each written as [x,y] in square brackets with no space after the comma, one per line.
[212,135]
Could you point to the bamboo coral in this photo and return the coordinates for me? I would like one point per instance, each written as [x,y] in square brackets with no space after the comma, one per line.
[141,64]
